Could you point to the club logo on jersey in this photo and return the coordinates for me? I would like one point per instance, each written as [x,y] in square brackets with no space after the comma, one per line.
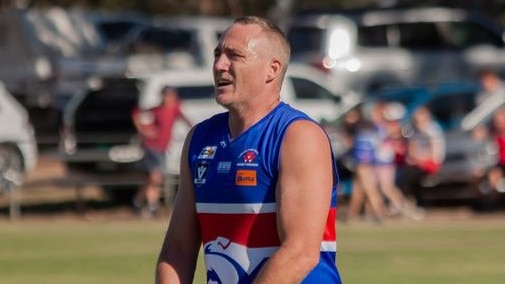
[246,178]
[208,152]
[223,167]
[201,171]
[227,262]
[248,158]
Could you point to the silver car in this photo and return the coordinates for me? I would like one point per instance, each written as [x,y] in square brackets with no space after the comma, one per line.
[18,147]
[371,49]
[468,157]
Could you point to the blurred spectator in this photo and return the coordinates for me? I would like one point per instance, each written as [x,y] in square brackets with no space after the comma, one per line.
[496,174]
[353,122]
[491,84]
[366,156]
[154,126]
[391,152]
[425,155]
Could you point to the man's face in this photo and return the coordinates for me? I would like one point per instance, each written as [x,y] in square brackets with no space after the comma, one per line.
[240,64]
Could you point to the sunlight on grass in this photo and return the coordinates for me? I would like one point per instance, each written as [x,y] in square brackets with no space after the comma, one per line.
[125,252]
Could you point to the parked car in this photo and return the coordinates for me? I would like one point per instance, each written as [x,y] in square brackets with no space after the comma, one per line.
[116,28]
[98,138]
[18,147]
[371,49]
[174,42]
[480,120]
[467,156]
[46,57]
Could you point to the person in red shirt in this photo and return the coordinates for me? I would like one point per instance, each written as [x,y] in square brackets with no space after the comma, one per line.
[154,126]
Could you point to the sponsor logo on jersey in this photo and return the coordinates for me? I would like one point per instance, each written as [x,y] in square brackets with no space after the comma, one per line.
[223,167]
[208,152]
[248,158]
[246,178]
[201,170]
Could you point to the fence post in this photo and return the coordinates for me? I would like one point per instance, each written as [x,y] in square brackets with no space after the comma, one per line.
[14,207]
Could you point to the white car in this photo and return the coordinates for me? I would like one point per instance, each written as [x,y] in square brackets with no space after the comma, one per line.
[98,129]
[371,49]
[304,88]
[18,147]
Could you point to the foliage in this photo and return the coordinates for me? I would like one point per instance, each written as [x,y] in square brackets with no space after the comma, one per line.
[493,8]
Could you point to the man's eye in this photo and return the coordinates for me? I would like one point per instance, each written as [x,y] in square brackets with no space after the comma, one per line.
[235,55]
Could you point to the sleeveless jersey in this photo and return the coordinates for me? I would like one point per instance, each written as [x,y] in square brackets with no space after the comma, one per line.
[234,182]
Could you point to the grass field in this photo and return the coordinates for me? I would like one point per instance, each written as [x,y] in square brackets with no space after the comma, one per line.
[436,251]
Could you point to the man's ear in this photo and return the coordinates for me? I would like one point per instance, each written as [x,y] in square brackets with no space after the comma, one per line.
[274,70]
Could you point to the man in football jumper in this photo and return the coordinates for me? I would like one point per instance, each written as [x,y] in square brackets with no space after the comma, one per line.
[258,183]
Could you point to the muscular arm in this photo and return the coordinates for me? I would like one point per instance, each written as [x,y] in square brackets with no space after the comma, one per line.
[179,253]
[303,196]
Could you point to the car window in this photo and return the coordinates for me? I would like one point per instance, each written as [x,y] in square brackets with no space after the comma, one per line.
[373,36]
[109,107]
[465,34]
[116,30]
[411,98]
[423,35]
[420,36]
[449,110]
[170,40]
[305,39]
[196,92]
[308,90]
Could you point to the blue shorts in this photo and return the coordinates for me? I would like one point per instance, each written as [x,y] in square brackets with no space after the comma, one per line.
[153,160]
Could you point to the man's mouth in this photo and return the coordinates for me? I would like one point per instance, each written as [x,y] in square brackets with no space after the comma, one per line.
[222,81]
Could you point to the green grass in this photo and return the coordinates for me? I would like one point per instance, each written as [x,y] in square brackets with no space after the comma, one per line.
[435,252]
[462,251]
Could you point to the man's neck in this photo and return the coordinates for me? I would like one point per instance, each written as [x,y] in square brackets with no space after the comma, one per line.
[243,118]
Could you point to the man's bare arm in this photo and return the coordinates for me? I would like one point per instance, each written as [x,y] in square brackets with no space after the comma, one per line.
[179,253]
[304,197]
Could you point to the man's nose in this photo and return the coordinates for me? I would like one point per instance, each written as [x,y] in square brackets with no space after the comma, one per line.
[221,62]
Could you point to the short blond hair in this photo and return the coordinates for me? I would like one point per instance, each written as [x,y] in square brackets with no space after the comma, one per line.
[274,34]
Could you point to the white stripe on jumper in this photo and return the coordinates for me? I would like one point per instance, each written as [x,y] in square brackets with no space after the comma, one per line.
[328,246]
[234,208]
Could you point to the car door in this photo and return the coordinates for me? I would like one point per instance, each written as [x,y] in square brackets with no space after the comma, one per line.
[434,58]
[310,97]
[198,104]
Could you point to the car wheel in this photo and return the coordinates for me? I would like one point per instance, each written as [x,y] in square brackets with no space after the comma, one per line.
[11,167]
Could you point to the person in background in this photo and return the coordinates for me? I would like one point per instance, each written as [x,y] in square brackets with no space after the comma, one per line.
[258,182]
[491,83]
[154,127]
[391,153]
[343,134]
[496,175]
[425,155]
[365,192]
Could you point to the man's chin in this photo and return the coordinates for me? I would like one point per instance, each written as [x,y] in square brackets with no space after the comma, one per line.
[221,98]
[224,104]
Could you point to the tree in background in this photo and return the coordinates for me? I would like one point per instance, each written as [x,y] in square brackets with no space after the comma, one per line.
[276,10]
